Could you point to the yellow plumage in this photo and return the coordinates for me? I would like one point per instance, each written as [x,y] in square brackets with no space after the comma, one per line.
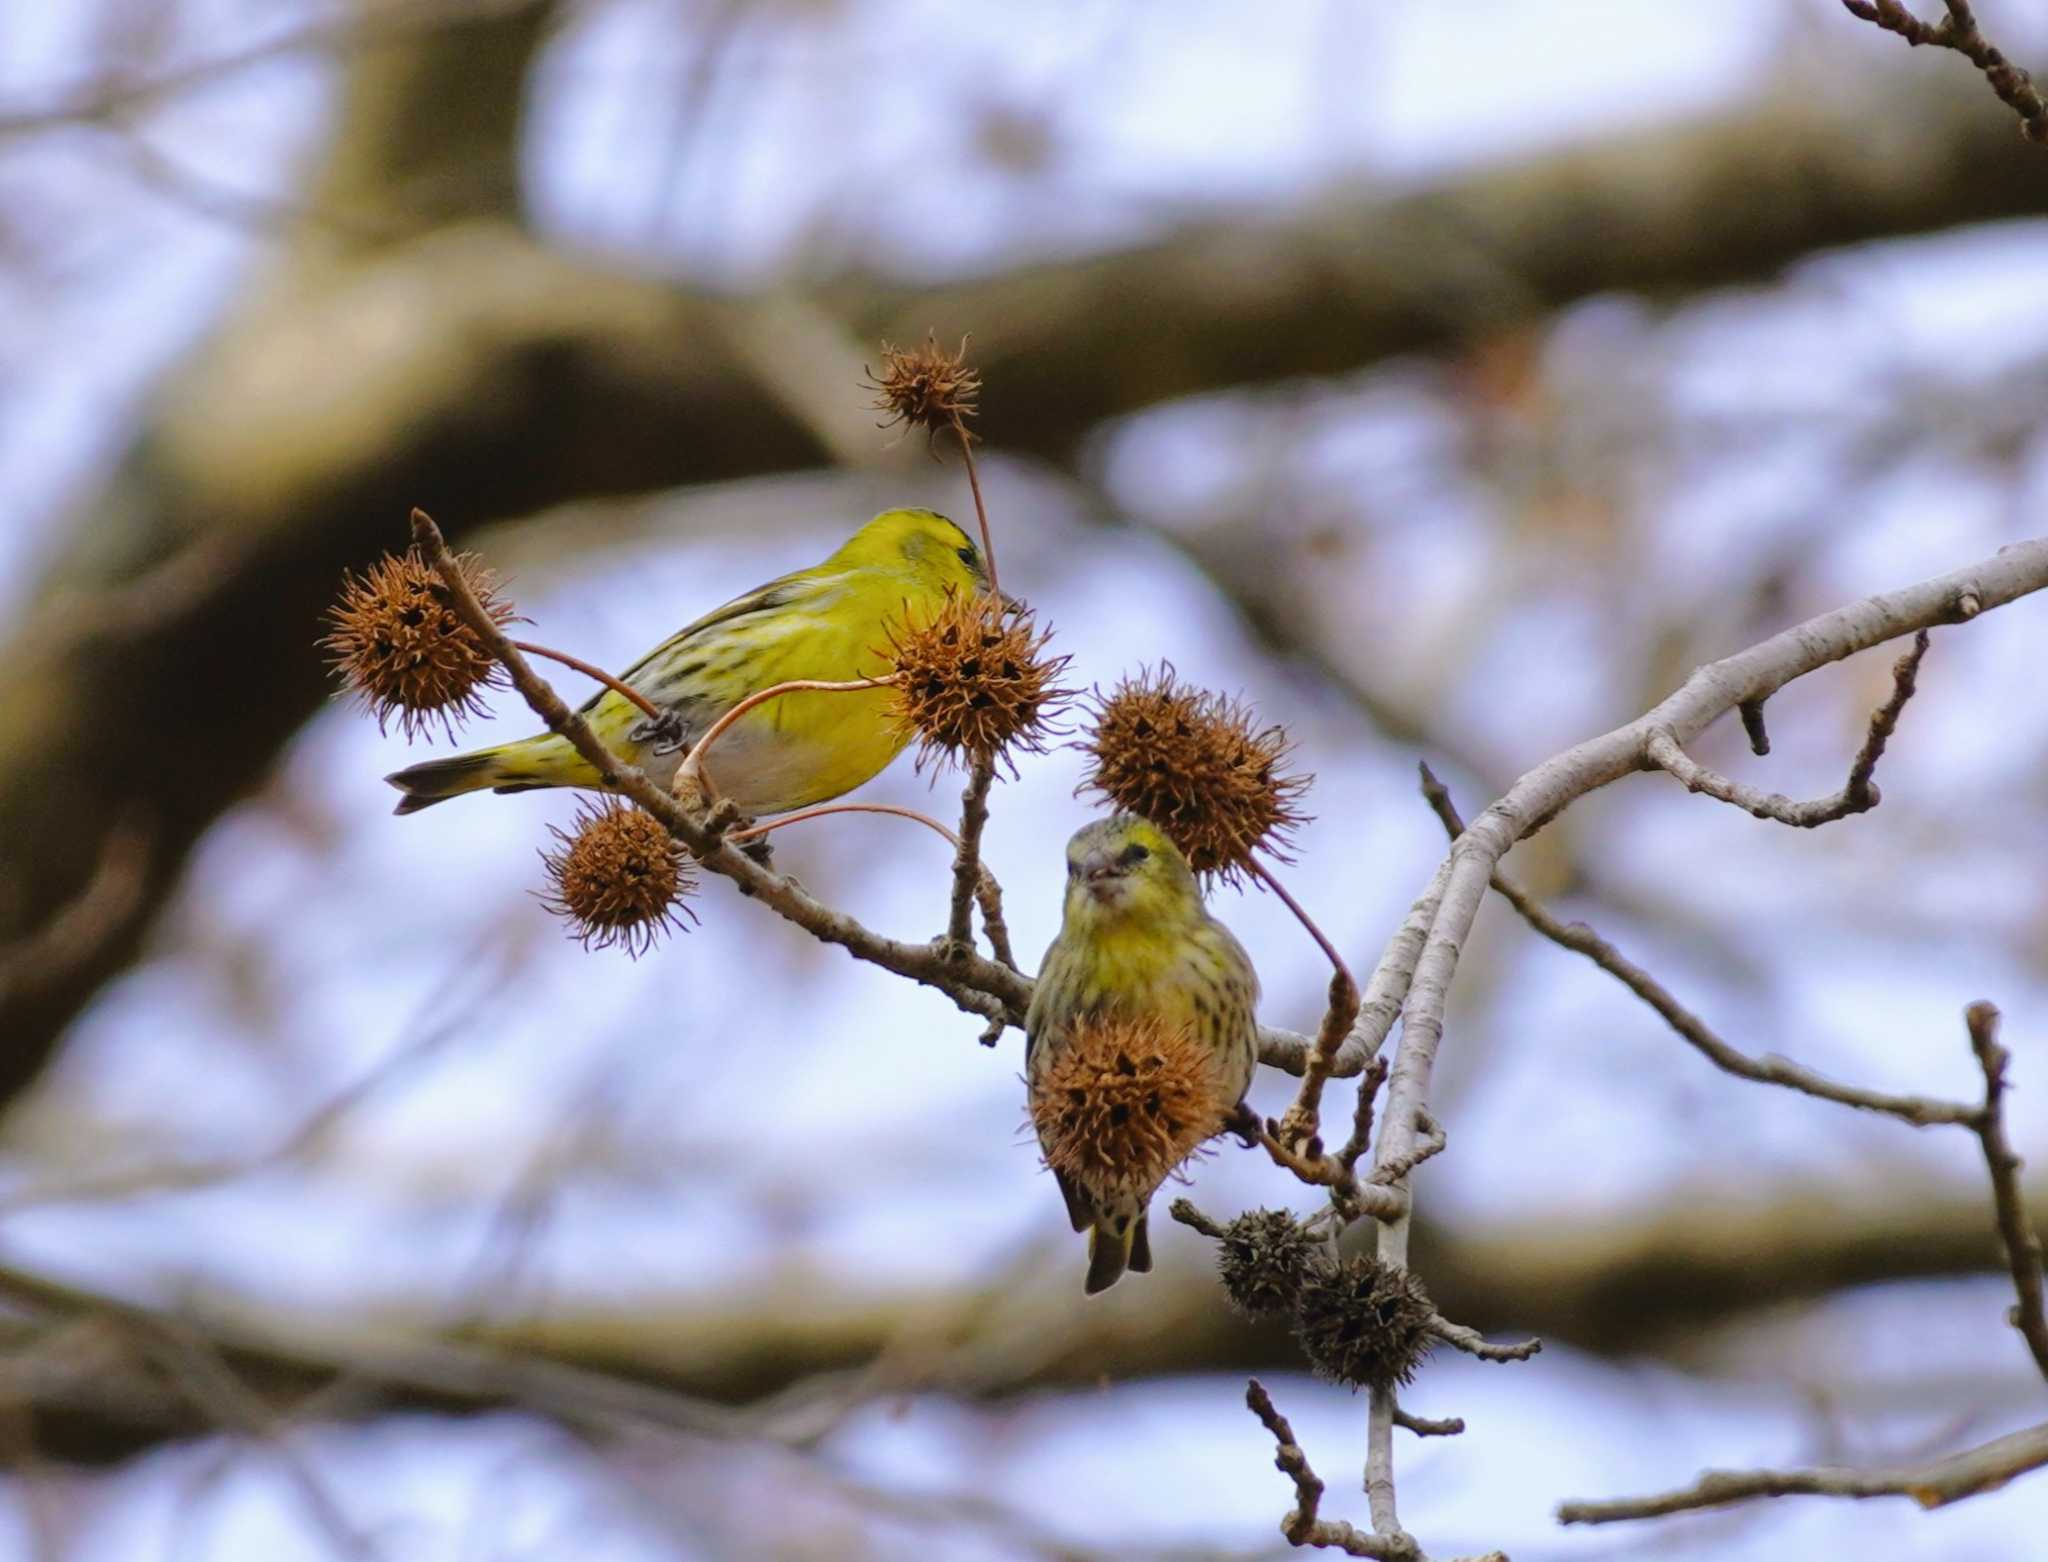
[822,623]
[1136,942]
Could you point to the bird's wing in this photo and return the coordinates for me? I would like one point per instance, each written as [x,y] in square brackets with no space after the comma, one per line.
[777,593]
[1243,960]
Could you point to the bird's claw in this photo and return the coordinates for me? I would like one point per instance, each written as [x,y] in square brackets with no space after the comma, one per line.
[1244,1122]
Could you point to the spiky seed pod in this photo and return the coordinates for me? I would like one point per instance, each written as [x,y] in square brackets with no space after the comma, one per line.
[974,681]
[925,387]
[399,643]
[1124,1103]
[1364,1323]
[618,878]
[1194,764]
[1263,1259]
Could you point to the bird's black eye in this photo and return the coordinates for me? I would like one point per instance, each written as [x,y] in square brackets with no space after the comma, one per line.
[1073,869]
[1133,854]
[967,556]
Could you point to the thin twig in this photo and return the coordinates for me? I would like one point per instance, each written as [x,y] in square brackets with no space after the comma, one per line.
[988,894]
[2015,1229]
[1473,1343]
[1361,1113]
[1430,1140]
[1753,728]
[1958,31]
[1184,1211]
[1981,1469]
[1302,1121]
[1541,793]
[1301,1526]
[1858,795]
[1352,1197]
[591,670]
[1920,1111]
[981,774]
[1377,1011]
[1425,1426]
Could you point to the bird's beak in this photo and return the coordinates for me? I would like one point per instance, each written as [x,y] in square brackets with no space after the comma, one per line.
[1010,604]
[1099,865]
[1100,871]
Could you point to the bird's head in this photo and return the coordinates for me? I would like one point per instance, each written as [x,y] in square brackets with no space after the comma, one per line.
[1124,867]
[922,544]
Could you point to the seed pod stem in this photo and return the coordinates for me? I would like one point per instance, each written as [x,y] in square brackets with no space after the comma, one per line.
[754,830]
[592,671]
[692,766]
[988,547]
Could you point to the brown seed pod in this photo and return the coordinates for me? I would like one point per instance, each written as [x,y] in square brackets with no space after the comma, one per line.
[618,878]
[925,387]
[1124,1103]
[974,681]
[1195,765]
[1364,1323]
[1263,1258]
[402,647]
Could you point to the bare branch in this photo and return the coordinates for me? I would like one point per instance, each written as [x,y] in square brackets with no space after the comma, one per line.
[1350,1196]
[1425,1426]
[1473,1343]
[1377,1010]
[2022,1243]
[1361,1114]
[981,774]
[1981,1469]
[1921,1111]
[98,914]
[1958,31]
[1301,1526]
[1430,1140]
[1858,795]
[1749,676]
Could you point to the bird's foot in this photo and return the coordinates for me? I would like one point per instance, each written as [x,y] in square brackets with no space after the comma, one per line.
[1244,1122]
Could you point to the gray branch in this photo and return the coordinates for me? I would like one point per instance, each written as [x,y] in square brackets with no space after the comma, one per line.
[1981,1469]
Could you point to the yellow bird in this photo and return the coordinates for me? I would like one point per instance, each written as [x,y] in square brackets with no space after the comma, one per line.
[1137,944]
[824,623]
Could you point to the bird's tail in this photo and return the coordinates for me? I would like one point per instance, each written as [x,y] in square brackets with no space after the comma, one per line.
[511,767]
[1117,1242]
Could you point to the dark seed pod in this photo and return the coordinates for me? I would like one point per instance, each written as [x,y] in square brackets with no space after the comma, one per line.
[1124,1103]
[398,642]
[1194,764]
[619,878]
[1364,1323]
[1263,1258]
[925,387]
[974,681]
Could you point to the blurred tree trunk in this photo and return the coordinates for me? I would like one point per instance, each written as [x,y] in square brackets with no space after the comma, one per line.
[415,344]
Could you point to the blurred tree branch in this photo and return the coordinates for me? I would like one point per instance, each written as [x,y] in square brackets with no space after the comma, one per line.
[467,367]
[1649,1280]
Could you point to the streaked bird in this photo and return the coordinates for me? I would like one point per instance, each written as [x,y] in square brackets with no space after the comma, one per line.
[823,623]
[1137,945]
